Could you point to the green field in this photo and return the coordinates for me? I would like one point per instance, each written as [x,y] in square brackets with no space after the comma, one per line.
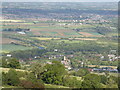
[29,33]
[12,47]
[71,33]
[47,27]
[94,33]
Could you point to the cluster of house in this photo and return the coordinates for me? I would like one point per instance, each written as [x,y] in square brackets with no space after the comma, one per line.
[111,57]
[104,69]
[67,63]
[85,18]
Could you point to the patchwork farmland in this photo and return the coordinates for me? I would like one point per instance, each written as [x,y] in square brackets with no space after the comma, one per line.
[14,33]
[49,29]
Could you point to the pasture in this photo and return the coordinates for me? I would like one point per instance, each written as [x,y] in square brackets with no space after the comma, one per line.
[12,47]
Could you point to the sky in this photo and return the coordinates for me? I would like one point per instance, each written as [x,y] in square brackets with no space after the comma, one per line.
[60,0]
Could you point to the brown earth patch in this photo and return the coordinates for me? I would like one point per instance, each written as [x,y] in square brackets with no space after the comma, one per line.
[7,41]
[86,34]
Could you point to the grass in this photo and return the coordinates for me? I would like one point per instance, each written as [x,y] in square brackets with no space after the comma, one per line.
[78,78]
[71,33]
[81,26]
[12,47]
[114,74]
[94,33]
[29,33]
[47,27]
[46,86]
[28,23]
[48,32]
[111,74]
[7,69]
[8,86]
[107,43]
[54,86]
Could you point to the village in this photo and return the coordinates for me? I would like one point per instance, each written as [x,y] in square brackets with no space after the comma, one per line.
[64,59]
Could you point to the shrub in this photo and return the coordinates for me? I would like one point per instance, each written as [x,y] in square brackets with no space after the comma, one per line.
[29,84]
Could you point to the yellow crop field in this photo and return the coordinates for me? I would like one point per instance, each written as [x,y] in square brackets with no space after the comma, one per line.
[3,20]
[45,38]
[114,67]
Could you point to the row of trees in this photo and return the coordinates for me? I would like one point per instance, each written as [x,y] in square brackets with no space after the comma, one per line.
[25,55]
[85,46]
[16,29]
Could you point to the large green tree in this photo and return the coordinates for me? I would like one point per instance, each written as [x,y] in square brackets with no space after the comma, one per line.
[82,72]
[4,63]
[103,79]
[71,82]
[14,63]
[8,62]
[10,78]
[91,81]
[37,69]
[54,73]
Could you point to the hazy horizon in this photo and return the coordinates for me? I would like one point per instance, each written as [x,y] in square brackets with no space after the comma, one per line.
[61,1]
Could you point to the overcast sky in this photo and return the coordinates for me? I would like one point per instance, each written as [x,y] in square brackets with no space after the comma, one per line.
[60,0]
